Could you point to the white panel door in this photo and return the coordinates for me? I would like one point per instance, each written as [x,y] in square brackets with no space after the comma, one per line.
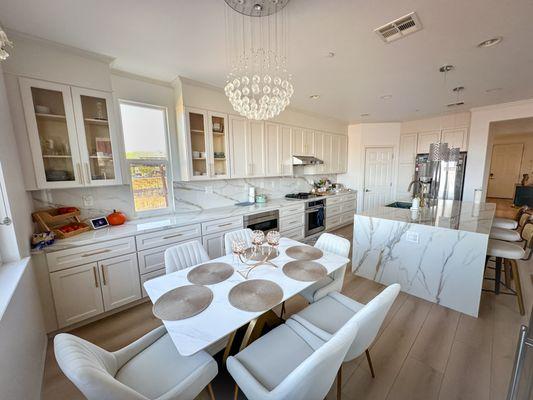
[425,139]
[286,151]
[504,170]
[120,281]
[256,149]
[238,140]
[297,142]
[343,154]
[214,245]
[408,148]
[77,294]
[378,176]
[456,137]
[272,149]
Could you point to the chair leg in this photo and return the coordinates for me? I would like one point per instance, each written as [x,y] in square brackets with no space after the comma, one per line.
[339,383]
[497,277]
[370,363]
[507,271]
[518,286]
[282,310]
[210,390]
[236,395]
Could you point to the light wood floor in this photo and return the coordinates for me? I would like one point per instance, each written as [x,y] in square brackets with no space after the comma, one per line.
[423,351]
[504,207]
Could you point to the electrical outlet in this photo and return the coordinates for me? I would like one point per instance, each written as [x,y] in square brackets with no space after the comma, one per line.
[412,237]
[88,200]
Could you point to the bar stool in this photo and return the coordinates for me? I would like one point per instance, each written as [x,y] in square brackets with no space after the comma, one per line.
[511,235]
[508,223]
[507,254]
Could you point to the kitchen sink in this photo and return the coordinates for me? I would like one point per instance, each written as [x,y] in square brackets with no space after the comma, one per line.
[400,204]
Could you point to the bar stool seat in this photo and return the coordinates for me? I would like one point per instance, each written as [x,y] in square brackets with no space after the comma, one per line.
[505,223]
[507,235]
[510,251]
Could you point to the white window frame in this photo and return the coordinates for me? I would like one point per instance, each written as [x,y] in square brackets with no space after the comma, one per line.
[168,162]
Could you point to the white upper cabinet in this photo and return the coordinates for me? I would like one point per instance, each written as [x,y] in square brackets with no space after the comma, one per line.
[302,142]
[207,144]
[308,142]
[343,155]
[456,137]
[408,148]
[335,154]
[318,145]
[286,150]
[327,156]
[72,135]
[238,134]
[425,139]
[273,152]
[256,148]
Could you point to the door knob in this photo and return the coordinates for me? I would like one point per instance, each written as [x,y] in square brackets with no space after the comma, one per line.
[6,221]
[367,190]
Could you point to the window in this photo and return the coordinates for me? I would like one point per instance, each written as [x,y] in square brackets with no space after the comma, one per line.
[147,156]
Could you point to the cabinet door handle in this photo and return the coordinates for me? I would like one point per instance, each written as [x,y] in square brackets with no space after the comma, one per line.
[95,277]
[80,173]
[172,236]
[88,170]
[103,274]
[95,253]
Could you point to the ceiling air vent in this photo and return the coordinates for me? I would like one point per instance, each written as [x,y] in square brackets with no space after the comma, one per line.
[399,28]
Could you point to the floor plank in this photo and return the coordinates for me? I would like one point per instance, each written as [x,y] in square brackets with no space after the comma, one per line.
[416,375]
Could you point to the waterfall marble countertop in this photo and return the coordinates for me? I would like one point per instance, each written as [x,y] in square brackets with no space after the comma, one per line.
[449,214]
[169,221]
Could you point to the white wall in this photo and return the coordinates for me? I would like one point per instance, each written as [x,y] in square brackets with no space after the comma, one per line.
[361,136]
[479,148]
[436,123]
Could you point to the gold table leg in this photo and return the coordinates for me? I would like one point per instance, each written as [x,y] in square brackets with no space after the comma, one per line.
[228,346]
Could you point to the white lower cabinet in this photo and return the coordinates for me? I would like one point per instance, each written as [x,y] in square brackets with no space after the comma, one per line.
[214,245]
[295,234]
[120,281]
[77,294]
[147,277]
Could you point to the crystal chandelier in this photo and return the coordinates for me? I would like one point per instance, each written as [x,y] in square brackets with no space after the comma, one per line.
[258,86]
[4,44]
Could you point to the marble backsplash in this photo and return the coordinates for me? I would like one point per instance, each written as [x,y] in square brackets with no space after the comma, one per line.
[188,196]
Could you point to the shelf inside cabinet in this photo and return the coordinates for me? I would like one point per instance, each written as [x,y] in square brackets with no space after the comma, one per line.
[96,121]
[51,116]
[55,156]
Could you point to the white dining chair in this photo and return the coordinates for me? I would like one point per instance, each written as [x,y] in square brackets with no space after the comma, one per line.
[149,368]
[184,255]
[333,282]
[241,234]
[328,315]
[290,363]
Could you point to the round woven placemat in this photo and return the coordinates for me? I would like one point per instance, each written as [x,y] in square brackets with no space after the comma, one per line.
[255,295]
[304,253]
[209,274]
[306,271]
[182,302]
[261,253]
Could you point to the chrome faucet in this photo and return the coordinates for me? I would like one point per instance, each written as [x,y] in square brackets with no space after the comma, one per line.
[415,182]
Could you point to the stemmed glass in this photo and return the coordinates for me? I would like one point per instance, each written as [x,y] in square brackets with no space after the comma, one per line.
[258,237]
[238,247]
[272,238]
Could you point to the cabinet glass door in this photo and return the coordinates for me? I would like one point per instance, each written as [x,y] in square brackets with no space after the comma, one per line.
[52,133]
[95,126]
[219,144]
[199,149]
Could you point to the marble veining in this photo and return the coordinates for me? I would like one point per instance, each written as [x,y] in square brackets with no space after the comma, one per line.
[442,264]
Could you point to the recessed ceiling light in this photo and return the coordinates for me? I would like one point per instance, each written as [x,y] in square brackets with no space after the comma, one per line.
[492,90]
[458,89]
[331,54]
[314,96]
[386,97]
[365,115]
[490,42]
[447,68]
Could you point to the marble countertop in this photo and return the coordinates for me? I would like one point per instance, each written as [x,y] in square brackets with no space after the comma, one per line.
[449,214]
[169,221]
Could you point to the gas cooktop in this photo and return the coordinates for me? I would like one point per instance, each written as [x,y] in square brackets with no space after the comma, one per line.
[300,196]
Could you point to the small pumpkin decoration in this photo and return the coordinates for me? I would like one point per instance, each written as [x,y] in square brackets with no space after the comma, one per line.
[116,218]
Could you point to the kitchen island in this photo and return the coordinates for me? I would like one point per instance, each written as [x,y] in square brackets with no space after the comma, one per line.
[439,255]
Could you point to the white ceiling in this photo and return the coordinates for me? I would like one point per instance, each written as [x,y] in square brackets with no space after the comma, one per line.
[165,38]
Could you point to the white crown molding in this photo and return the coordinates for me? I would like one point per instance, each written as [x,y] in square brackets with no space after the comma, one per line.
[126,74]
[14,35]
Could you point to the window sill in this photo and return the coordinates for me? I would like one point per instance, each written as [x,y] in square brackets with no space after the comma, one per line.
[10,274]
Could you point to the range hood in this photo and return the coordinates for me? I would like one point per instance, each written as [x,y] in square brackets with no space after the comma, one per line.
[306,160]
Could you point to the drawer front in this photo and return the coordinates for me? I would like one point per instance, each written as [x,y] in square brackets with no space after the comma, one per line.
[331,201]
[333,210]
[86,254]
[348,206]
[152,259]
[295,234]
[168,236]
[333,221]
[289,223]
[222,225]
[347,218]
[291,210]
[147,277]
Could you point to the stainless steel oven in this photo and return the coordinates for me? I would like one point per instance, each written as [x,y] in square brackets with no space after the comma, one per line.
[315,217]
[265,221]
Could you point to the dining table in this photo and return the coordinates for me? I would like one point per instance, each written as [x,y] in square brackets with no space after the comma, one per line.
[221,319]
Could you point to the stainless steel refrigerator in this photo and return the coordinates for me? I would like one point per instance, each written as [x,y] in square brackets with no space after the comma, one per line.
[448,180]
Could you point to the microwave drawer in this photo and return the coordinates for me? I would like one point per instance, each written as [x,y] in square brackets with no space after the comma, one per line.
[168,236]
[62,259]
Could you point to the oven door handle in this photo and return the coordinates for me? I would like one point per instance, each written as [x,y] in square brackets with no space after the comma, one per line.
[310,210]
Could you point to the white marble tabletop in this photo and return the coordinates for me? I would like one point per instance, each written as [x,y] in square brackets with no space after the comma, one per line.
[450,214]
[221,318]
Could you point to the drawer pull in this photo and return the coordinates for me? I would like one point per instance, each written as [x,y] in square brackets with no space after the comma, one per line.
[226,224]
[172,236]
[96,252]
[103,274]
[95,277]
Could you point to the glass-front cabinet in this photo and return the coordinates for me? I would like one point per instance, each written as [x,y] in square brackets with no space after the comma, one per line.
[71,133]
[208,144]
